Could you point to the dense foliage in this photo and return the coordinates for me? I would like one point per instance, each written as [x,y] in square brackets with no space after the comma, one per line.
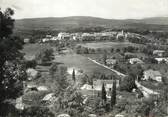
[113,94]
[128,84]
[45,56]
[12,72]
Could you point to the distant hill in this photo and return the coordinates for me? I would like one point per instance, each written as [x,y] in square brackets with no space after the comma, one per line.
[155,20]
[63,23]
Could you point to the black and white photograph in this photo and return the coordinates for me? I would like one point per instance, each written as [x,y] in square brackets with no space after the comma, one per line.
[83,58]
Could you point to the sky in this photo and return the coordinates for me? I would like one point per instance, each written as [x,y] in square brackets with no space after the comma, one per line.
[110,9]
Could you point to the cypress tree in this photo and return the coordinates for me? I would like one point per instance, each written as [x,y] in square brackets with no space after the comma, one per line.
[103,77]
[98,94]
[105,58]
[113,94]
[104,93]
[73,75]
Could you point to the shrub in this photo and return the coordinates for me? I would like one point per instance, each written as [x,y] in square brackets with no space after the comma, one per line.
[45,56]
[37,112]
[128,84]
[31,64]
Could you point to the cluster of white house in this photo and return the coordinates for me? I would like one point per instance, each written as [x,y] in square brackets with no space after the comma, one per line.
[152,75]
[160,56]
[80,36]
[113,35]
[88,36]
[157,54]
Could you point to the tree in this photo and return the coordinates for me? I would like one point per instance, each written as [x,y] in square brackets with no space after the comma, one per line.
[12,71]
[6,23]
[165,80]
[128,84]
[45,56]
[112,50]
[84,79]
[37,112]
[117,50]
[113,94]
[165,94]
[136,71]
[78,49]
[70,101]
[53,69]
[104,57]
[85,50]
[103,77]
[144,110]
[60,80]
[152,60]
[104,98]
[73,75]
[120,38]
[146,106]
[31,64]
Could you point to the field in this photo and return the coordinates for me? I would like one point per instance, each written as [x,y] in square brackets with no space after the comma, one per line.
[81,62]
[106,45]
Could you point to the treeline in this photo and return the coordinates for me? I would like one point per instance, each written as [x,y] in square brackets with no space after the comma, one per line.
[138,40]
[86,29]
[160,34]
[132,30]
[138,31]
[85,50]
[35,35]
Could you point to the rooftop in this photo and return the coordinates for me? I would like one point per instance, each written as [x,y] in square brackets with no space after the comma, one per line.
[150,71]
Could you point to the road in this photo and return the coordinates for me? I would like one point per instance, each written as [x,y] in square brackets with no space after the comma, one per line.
[115,71]
[146,91]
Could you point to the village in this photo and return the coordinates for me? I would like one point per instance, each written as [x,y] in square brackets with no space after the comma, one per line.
[83,58]
[121,60]
[120,35]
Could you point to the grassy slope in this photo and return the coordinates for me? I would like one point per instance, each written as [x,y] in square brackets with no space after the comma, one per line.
[81,63]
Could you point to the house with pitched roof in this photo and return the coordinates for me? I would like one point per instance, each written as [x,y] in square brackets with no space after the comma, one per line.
[158,52]
[153,75]
[97,84]
[135,61]
[111,62]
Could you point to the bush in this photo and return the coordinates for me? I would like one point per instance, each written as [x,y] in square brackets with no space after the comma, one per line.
[45,56]
[37,112]
[128,84]
[165,80]
[31,64]
[84,79]
[145,107]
